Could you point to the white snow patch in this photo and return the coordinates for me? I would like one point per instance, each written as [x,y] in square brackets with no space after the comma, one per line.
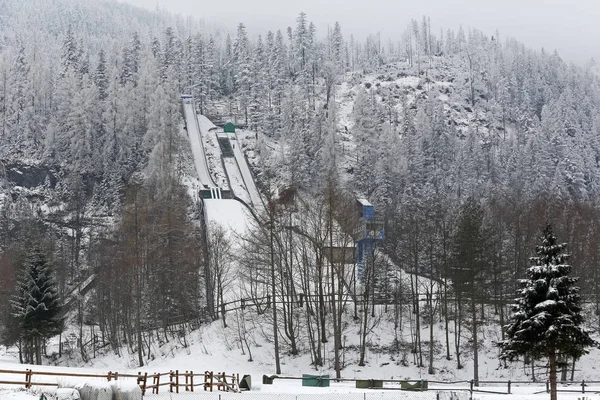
[231,214]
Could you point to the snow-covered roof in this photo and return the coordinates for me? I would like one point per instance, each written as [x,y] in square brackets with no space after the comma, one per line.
[364,202]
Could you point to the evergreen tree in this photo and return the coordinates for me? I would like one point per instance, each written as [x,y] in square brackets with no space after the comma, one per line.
[69,52]
[36,306]
[337,45]
[101,76]
[469,268]
[546,320]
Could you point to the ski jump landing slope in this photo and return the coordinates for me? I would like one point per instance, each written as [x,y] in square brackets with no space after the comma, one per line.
[231,214]
[193,130]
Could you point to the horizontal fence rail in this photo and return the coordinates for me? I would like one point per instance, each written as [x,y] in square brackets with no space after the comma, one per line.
[209,380]
[172,379]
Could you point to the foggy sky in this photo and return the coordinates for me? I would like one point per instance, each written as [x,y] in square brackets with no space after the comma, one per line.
[572,27]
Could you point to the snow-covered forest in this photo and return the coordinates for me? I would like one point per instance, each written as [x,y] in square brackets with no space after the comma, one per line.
[466,142]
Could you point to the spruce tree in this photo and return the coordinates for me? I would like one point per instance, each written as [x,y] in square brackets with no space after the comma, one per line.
[36,305]
[546,320]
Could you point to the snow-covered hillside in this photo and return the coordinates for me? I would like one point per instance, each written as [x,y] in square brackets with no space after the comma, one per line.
[464,143]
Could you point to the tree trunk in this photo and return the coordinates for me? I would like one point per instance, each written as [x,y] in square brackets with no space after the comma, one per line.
[552,363]
[431,338]
[446,310]
[275,327]
[475,341]
[38,351]
[457,331]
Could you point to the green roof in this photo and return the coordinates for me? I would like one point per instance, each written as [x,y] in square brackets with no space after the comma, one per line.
[229,127]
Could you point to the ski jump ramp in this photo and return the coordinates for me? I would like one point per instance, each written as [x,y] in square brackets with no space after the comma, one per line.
[194,134]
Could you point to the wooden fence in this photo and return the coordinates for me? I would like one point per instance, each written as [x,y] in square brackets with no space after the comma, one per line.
[173,380]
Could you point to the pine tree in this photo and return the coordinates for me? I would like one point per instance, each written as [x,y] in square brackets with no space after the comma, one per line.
[36,306]
[469,269]
[101,76]
[546,320]
[337,45]
[69,52]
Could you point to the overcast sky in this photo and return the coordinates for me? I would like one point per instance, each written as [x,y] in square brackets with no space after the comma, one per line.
[570,26]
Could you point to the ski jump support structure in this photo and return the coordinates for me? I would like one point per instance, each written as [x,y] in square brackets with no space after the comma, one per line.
[367,234]
[209,188]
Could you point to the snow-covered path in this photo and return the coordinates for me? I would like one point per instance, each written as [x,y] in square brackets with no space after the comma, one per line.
[196,143]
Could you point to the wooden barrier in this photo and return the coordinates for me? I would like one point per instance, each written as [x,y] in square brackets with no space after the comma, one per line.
[220,381]
[230,383]
[142,380]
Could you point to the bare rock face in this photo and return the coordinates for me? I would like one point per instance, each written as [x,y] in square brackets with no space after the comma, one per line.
[28,176]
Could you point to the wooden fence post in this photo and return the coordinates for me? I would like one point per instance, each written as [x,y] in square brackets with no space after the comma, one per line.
[109,375]
[509,386]
[156,383]
[28,374]
[141,381]
[547,386]
[171,376]
[192,381]
[583,386]
[177,381]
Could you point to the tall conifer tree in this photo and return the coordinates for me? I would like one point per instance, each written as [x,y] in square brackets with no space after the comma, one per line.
[546,320]
[36,306]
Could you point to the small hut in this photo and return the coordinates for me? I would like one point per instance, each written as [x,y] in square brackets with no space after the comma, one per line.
[229,127]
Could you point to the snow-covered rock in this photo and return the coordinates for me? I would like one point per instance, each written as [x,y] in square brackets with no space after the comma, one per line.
[67,394]
[96,391]
[126,390]
[453,395]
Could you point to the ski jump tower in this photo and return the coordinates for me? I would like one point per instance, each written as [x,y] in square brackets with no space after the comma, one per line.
[368,233]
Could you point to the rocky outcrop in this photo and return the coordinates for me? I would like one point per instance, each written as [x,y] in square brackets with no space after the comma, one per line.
[30,176]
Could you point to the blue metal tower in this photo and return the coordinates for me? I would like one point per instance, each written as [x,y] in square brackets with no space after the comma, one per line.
[369,231]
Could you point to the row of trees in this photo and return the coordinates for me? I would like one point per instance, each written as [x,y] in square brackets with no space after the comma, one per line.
[454,273]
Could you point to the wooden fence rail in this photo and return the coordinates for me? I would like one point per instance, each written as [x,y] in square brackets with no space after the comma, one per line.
[176,380]
[223,382]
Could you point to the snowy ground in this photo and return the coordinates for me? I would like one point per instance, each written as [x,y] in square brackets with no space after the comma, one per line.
[231,214]
[293,390]
[215,348]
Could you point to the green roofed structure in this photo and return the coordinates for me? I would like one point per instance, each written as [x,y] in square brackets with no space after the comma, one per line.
[229,127]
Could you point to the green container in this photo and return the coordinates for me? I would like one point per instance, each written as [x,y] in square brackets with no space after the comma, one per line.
[419,385]
[315,380]
[246,383]
[369,384]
